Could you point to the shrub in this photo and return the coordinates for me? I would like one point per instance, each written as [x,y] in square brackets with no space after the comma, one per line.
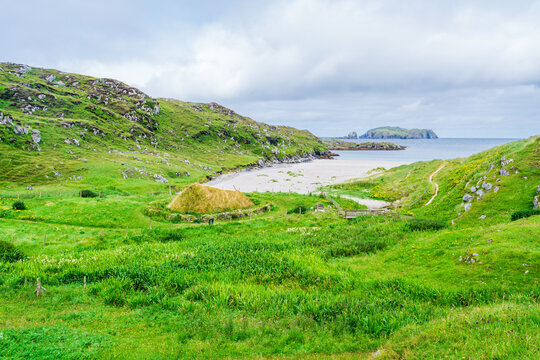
[9,253]
[425,224]
[19,205]
[524,214]
[298,209]
[158,235]
[88,194]
[354,248]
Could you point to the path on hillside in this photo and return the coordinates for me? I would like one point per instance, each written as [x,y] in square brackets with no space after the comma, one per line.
[436,185]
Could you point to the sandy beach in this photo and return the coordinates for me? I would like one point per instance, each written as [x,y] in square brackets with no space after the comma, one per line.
[300,178]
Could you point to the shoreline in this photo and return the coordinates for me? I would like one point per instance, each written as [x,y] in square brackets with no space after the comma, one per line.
[302,178]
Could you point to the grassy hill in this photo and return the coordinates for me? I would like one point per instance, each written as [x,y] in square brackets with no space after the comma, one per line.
[409,187]
[81,131]
[394,132]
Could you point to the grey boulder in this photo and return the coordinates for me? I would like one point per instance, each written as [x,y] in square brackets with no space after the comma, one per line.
[160,178]
[487,186]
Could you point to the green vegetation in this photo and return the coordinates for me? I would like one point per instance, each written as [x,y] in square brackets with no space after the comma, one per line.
[424,282]
[425,224]
[18,205]
[394,132]
[524,213]
[9,253]
[79,132]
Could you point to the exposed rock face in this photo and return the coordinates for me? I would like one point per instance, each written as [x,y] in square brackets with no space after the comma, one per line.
[160,178]
[503,172]
[467,197]
[19,130]
[505,161]
[36,136]
[50,78]
[487,186]
[467,206]
[351,135]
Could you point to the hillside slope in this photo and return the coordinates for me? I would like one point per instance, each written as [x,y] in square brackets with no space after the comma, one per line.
[495,183]
[55,126]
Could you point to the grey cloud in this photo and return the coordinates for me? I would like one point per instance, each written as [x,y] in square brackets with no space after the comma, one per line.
[325,65]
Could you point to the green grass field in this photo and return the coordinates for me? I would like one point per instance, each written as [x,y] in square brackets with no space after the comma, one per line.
[424,282]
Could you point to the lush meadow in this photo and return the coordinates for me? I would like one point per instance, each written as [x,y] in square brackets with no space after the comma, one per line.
[275,285]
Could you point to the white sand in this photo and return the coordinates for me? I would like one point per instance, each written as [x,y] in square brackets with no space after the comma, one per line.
[299,178]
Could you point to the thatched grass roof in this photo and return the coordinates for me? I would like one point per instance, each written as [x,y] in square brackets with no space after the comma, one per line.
[203,199]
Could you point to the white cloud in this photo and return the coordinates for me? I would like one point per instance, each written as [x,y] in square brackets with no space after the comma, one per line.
[301,62]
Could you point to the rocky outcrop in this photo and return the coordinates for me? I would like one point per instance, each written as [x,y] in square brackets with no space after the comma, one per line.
[160,178]
[481,189]
[394,132]
[352,135]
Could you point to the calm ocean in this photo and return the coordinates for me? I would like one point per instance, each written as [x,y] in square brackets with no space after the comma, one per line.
[424,149]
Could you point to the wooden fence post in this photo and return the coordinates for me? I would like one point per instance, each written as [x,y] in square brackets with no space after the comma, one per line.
[170,191]
[44,239]
[18,196]
[84,283]
[12,239]
[75,237]
[39,288]
[127,230]
[150,224]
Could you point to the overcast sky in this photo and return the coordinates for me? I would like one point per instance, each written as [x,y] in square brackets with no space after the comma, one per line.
[463,68]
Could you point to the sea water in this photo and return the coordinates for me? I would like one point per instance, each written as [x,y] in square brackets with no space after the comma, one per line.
[422,149]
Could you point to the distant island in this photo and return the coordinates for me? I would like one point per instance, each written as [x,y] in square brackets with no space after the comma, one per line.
[394,132]
[335,144]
